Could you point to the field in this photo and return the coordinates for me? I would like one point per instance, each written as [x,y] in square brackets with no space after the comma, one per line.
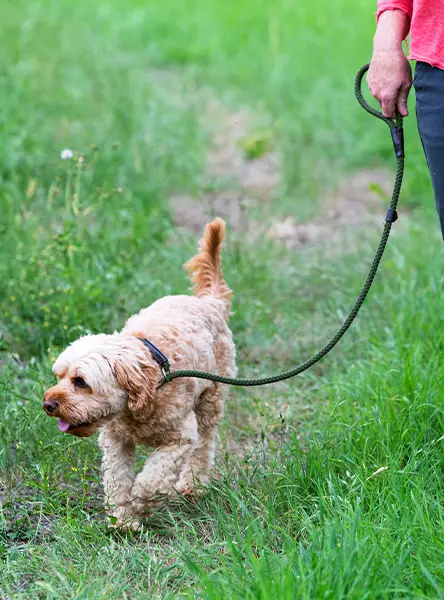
[329,485]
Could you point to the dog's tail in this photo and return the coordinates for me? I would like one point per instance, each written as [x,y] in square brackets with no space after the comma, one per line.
[205,268]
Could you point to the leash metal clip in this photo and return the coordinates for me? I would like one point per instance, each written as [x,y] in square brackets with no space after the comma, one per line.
[158,356]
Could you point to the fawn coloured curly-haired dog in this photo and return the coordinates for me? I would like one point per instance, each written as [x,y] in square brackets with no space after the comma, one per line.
[110,383]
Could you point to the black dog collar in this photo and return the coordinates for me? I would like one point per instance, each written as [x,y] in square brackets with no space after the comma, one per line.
[158,356]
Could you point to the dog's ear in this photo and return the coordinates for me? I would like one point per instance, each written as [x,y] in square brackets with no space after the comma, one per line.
[139,379]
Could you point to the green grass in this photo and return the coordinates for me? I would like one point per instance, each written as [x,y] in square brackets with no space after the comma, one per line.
[340,492]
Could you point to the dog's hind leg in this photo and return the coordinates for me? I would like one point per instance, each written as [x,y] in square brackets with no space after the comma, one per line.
[197,467]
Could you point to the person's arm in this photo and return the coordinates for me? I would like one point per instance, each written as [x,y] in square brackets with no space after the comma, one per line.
[390,75]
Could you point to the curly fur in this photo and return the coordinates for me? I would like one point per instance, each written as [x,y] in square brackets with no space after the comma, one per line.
[120,394]
[205,268]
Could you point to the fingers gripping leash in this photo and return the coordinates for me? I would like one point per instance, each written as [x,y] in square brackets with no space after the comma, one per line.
[396,131]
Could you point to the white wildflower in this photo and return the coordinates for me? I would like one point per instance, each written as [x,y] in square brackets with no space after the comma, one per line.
[67,154]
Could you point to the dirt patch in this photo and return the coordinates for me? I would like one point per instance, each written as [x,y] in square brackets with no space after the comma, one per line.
[239,189]
[356,202]
[234,183]
[26,513]
[8,361]
[190,214]
[256,177]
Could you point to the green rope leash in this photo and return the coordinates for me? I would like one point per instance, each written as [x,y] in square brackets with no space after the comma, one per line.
[396,131]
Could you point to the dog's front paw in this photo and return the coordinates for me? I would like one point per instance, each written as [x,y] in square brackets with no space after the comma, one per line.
[191,487]
[122,518]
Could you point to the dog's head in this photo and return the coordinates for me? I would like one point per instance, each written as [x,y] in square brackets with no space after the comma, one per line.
[100,376]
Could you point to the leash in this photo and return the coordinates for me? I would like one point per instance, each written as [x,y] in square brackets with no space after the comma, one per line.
[396,132]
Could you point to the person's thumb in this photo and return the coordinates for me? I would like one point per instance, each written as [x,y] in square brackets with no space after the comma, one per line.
[401,103]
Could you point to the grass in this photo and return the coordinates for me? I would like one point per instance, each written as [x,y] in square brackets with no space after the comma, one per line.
[339,492]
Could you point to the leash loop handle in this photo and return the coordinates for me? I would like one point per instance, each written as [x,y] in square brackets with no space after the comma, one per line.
[395,126]
[363,102]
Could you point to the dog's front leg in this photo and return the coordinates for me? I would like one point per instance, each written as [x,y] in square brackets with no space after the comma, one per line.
[117,474]
[162,469]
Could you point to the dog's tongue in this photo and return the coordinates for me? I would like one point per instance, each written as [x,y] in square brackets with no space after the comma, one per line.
[63,425]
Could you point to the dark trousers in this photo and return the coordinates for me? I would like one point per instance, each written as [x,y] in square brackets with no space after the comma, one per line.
[429,87]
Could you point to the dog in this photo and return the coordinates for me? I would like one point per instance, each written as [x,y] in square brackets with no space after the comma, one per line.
[111,383]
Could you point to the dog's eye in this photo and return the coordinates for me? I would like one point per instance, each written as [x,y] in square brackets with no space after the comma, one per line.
[80,382]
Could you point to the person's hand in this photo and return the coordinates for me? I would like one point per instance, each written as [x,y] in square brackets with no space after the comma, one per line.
[390,79]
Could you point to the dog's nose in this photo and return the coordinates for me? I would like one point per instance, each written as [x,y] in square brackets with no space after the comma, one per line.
[50,406]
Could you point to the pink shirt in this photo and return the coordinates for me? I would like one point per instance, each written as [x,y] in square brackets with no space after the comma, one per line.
[426,24]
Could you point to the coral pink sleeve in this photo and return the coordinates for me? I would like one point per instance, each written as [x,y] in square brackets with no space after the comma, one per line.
[405,5]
